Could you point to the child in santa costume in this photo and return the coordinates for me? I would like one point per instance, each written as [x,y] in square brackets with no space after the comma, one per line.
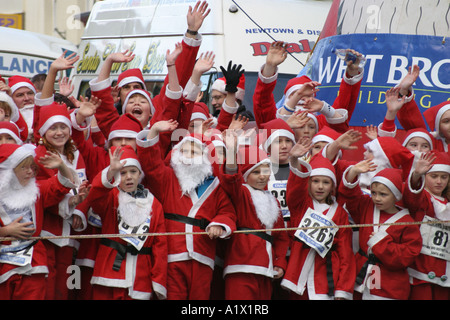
[321,264]
[193,201]
[9,133]
[23,262]
[424,196]
[386,251]
[10,112]
[298,90]
[132,267]
[252,259]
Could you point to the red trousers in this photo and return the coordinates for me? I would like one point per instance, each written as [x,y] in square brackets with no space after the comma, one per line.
[58,260]
[109,293]
[247,286]
[188,280]
[429,291]
[20,287]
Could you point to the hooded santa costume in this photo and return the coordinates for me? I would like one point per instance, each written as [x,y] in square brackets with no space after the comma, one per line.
[386,251]
[321,267]
[250,257]
[11,129]
[193,201]
[128,267]
[23,263]
[16,116]
[431,270]
[58,219]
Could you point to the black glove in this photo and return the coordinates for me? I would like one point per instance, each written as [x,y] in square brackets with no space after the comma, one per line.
[232,76]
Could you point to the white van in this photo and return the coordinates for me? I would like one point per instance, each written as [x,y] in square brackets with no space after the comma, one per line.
[28,53]
[240,31]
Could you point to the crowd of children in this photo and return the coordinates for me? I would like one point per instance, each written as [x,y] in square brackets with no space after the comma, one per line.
[156,198]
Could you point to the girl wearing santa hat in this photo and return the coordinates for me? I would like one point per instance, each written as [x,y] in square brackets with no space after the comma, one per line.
[132,267]
[23,262]
[9,133]
[424,195]
[252,259]
[193,201]
[321,264]
[10,112]
[386,251]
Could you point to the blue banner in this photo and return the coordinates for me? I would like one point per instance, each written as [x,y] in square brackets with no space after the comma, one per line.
[388,58]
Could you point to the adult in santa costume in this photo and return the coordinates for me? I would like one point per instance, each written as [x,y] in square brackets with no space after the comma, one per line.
[321,264]
[386,251]
[193,201]
[23,262]
[252,259]
[129,267]
[424,196]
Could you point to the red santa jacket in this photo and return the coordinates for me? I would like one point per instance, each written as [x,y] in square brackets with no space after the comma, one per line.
[246,252]
[213,207]
[395,247]
[305,265]
[51,192]
[427,268]
[142,273]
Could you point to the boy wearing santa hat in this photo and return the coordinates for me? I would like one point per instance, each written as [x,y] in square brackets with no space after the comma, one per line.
[132,267]
[23,262]
[192,201]
[386,251]
[424,196]
[252,259]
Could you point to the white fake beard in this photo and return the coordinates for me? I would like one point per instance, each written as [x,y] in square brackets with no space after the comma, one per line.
[266,206]
[13,194]
[190,172]
[134,211]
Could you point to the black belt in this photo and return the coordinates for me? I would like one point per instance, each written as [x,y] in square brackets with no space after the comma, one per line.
[371,259]
[260,234]
[122,250]
[201,223]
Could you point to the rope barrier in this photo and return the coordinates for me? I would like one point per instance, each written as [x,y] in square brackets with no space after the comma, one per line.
[99,236]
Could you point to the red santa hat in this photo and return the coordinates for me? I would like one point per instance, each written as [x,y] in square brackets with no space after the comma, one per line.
[441,163]
[418,133]
[12,129]
[129,76]
[294,84]
[127,126]
[326,134]
[143,93]
[388,149]
[51,114]
[16,82]
[434,114]
[128,155]
[274,129]
[200,111]
[14,110]
[220,84]
[250,157]
[392,179]
[12,155]
[321,166]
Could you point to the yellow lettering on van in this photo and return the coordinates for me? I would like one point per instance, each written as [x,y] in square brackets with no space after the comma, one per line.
[88,64]
[421,101]
[154,62]
[110,48]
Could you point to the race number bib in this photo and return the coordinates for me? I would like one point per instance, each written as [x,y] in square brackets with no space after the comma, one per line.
[435,239]
[321,235]
[278,189]
[19,257]
[137,242]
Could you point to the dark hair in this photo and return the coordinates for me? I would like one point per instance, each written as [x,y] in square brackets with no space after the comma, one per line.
[69,148]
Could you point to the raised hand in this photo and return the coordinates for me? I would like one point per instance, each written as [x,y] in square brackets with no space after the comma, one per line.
[277,53]
[298,119]
[161,126]
[232,75]
[372,132]
[114,162]
[424,163]
[121,57]
[65,63]
[301,148]
[204,62]
[238,123]
[171,57]
[393,103]
[364,166]
[347,139]
[197,15]
[51,160]
[65,86]
[407,82]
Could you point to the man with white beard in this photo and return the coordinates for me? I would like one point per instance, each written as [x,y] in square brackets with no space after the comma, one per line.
[193,201]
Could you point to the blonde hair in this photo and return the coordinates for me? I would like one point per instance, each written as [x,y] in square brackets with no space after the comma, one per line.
[28,161]
[6,107]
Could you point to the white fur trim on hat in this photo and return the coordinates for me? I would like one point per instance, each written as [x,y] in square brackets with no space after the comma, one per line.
[275,135]
[418,135]
[439,115]
[388,183]
[292,89]
[323,172]
[440,168]
[23,84]
[198,115]
[52,120]
[264,161]
[12,134]
[141,92]
[14,110]
[122,134]
[321,138]
[132,162]
[20,154]
[128,80]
